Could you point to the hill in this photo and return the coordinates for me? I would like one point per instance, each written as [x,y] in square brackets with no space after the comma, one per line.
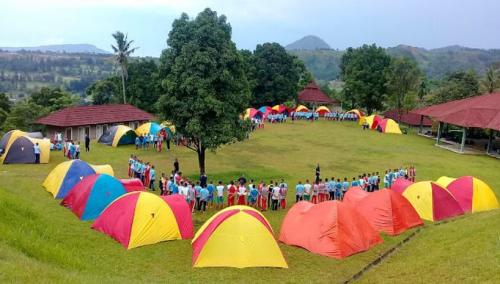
[41,241]
[63,48]
[309,42]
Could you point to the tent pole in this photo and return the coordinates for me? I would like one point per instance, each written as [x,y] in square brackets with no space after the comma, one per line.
[421,124]
[440,127]
[464,134]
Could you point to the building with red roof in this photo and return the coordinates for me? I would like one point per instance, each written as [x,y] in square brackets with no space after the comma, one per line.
[77,121]
[313,95]
[408,118]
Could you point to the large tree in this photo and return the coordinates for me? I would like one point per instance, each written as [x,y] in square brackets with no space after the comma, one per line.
[363,70]
[122,51]
[204,82]
[403,81]
[276,75]
[491,80]
[5,106]
[455,86]
[53,98]
[104,91]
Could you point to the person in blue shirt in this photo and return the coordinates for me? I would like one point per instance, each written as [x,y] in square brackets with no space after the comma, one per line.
[338,190]
[152,178]
[354,182]
[203,198]
[299,191]
[345,186]
[137,142]
[391,178]
[174,189]
[331,188]
[252,197]
[197,189]
[211,189]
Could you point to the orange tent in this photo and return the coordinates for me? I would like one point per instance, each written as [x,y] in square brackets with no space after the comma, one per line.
[331,228]
[388,211]
[354,195]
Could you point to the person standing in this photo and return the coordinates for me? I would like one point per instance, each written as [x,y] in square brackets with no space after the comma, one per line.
[318,173]
[87,143]
[203,199]
[203,180]
[37,151]
[231,191]
[176,166]
[275,196]
[220,196]
[77,150]
[299,191]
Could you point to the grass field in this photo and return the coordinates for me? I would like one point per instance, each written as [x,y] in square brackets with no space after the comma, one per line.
[41,241]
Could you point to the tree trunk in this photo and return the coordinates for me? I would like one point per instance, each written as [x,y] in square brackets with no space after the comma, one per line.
[123,86]
[201,159]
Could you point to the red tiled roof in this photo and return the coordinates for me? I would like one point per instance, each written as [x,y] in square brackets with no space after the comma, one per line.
[91,115]
[313,94]
[407,117]
[479,112]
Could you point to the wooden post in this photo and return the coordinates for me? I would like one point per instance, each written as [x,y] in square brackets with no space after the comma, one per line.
[440,127]
[464,136]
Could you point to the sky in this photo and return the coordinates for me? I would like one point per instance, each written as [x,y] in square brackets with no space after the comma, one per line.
[341,23]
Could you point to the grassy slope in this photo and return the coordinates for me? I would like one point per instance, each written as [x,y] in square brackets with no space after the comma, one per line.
[41,240]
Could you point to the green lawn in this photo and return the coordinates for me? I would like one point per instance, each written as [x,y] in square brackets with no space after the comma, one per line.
[41,241]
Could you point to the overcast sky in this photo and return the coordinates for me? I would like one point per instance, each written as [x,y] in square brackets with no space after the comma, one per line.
[422,23]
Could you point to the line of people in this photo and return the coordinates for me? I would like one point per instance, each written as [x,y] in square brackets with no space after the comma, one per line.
[142,170]
[147,141]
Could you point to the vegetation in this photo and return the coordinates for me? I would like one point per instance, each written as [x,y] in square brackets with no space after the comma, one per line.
[458,85]
[42,241]
[403,82]
[364,73]
[122,51]
[203,76]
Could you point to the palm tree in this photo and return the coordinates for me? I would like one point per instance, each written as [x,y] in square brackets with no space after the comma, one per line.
[122,51]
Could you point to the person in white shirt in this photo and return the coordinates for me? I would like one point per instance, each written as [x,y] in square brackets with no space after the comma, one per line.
[37,152]
[220,195]
[275,196]
[307,191]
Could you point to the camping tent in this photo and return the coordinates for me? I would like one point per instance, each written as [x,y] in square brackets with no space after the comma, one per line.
[142,218]
[252,113]
[20,151]
[388,125]
[118,135]
[400,184]
[280,109]
[88,198]
[354,194]
[388,211]
[10,136]
[238,236]
[358,113]
[322,110]
[377,120]
[444,181]
[432,202]
[148,128]
[473,194]
[331,228]
[301,108]
[369,120]
[265,110]
[67,174]
[168,125]
[133,184]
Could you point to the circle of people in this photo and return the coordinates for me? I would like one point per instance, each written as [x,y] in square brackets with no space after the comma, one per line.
[203,194]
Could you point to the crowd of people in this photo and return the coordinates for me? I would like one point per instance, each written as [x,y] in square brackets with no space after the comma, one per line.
[69,148]
[340,116]
[147,141]
[145,171]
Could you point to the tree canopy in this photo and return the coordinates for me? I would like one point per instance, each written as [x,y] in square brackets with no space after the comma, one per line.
[455,86]
[203,77]
[53,98]
[403,82]
[364,70]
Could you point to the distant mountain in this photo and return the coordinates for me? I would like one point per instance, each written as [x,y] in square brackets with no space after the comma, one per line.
[436,63]
[67,48]
[309,42]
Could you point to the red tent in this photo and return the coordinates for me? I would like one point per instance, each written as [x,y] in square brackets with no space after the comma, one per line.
[133,184]
[331,228]
[376,121]
[355,194]
[400,185]
[389,212]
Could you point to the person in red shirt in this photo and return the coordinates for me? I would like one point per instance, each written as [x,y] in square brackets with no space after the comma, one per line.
[146,175]
[231,192]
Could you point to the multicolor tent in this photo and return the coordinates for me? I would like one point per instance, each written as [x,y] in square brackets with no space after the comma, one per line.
[357,112]
[377,120]
[142,218]
[400,185]
[133,184]
[252,113]
[148,128]
[265,110]
[388,211]
[432,202]
[118,135]
[388,125]
[473,194]
[21,151]
[279,108]
[322,110]
[301,108]
[88,198]
[238,236]
[369,120]
[168,125]
[67,174]
[444,181]
[331,228]
[354,194]
[10,136]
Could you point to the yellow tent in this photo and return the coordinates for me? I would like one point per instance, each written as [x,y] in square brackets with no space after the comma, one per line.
[238,236]
[390,126]
[357,112]
[444,181]
[169,125]
[367,119]
[473,194]
[322,110]
[20,150]
[301,108]
[103,169]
